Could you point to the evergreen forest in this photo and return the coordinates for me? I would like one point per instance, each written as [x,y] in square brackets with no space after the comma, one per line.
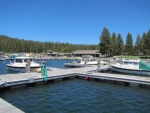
[15,45]
[111,45]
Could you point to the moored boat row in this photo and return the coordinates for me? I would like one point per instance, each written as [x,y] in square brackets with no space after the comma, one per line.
[137,66]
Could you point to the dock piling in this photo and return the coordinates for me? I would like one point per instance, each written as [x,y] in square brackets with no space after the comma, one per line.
[28,66]
[85,63]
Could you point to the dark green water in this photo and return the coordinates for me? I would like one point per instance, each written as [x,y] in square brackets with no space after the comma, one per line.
[79,96]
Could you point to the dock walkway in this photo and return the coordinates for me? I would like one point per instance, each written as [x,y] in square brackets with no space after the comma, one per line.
[10,80]
[6,107]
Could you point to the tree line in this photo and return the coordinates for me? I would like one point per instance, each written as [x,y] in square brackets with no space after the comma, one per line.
[111,45]
[16,45]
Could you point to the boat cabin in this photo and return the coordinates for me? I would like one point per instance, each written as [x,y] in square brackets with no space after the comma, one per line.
[88,59]
[134,64]
[23,59]
[130,63]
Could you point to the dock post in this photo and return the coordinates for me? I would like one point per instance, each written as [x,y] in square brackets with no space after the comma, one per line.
[43,63]
[98,65]
[85,63]
[28,66]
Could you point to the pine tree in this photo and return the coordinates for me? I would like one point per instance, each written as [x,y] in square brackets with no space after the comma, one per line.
[114,44]
[143,43]
[148,43]
[120,45]
[129,44]
[137,49]
[105,43]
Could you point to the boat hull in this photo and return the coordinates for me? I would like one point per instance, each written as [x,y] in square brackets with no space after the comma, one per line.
[20,64]
[77,65]
[129,71]
[89,62]
[21,68]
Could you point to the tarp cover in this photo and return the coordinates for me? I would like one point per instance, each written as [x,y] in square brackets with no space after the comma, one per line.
[144,66]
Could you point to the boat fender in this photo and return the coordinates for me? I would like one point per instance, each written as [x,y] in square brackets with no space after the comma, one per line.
[87,77]
[38,70]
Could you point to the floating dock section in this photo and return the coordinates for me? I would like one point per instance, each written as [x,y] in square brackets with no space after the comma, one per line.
[29,79]
[6,107]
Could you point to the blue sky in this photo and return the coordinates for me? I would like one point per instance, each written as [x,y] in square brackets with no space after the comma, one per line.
[73,21]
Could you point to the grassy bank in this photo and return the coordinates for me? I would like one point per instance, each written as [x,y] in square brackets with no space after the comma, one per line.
[133,57]
[128,57]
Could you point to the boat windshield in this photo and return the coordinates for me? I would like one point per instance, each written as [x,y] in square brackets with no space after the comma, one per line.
[135,63]
[130,63]
[18,60]
[125,63]
[25,60]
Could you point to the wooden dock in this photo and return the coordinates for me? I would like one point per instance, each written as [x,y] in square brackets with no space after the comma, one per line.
[9,81]
[20,79]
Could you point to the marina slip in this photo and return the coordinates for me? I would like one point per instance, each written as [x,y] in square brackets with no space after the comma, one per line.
[87,73]
[18,79]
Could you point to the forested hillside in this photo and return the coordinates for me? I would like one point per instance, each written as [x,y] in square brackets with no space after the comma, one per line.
[16,45]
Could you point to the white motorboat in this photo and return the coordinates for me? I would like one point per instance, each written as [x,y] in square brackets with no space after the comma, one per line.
[20,63]
[74,64]
[84,61]
[2,58]
[137,67]
[89,60]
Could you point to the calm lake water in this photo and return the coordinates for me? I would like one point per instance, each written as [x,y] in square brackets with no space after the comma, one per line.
[79,96]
